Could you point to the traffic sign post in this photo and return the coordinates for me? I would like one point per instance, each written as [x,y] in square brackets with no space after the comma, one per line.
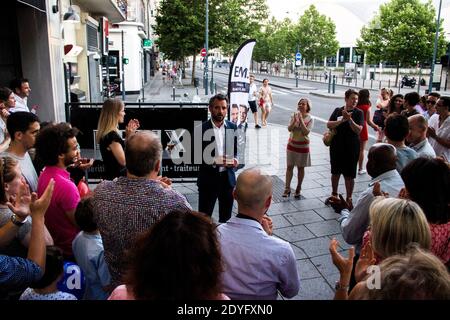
[203,52]
[147,43]
[298,58]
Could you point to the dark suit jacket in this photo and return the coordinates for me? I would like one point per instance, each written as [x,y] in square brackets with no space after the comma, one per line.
[208,172]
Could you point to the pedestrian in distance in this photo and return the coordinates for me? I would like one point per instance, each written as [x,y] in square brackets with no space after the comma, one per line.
[265,101]
[252,95]
[298,153]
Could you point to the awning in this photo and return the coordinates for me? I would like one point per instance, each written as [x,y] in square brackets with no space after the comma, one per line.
[36,4]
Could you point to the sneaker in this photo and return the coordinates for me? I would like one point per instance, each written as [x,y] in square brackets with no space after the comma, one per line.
[360,172]
[257,126]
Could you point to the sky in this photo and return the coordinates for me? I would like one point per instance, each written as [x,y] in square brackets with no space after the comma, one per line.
[348,15]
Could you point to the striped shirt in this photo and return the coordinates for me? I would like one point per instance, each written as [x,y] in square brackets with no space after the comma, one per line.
[298,142]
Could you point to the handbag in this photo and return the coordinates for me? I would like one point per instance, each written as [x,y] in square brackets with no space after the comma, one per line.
[328,137]
[378,118]
[261,102]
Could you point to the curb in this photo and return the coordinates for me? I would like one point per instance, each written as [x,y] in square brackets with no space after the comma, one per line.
[325,95]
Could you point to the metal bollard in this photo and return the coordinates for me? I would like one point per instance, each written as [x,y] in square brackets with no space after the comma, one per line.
[215,87]
[399,84]
[329,84]
[364,81]
[342,79]
[389,82]
[379,87]
[371,84]
[334,84]
[356,81]
[196,88]
[173,89]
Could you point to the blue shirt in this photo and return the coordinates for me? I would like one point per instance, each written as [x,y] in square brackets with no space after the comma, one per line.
[18,272]
[89,254]
[404,156]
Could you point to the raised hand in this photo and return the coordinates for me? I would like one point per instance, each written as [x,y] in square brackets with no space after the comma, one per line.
[267,224]
[344,265]
[366,259]
[377,190]
[20,203]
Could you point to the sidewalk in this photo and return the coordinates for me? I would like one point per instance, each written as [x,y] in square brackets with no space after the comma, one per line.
[308,224]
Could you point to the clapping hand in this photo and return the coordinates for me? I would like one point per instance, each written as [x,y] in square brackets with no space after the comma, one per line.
[339,204]
[431,133]
[132,126]
[267,224]
[19,204]
[377,190]
[344,265]
[346,115]
[164,182]
[366,259]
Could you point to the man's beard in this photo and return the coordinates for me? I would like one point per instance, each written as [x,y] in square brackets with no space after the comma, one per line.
[69,161]
[218,117]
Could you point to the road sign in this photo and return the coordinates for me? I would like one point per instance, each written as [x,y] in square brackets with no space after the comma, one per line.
[298,56]
[147,43]
[203,52]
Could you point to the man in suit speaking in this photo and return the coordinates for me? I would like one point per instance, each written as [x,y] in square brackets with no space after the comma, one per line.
[216,179]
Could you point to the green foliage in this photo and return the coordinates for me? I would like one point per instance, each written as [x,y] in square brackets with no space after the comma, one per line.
[402,32]
[180,25]
[316,35]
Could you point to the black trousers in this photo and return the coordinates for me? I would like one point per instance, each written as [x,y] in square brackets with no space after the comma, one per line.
[221,190]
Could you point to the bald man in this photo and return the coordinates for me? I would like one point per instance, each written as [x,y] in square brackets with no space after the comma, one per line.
[130,205]
[256,264]
[381,166]
[417,137]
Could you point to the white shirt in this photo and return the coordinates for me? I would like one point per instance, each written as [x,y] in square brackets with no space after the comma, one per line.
[251,92]
[21,104]
[424,149]
[219,135]
[256,265]
[443,132]
[355,223]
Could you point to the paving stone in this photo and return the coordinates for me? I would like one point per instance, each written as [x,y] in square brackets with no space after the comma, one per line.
[293,234]
[280,208]
[314,247]
[331,279]
[324,264]
[302,217]
[279,221]
[328,213]
[324,228]
[314,289]
[306,269]
[299,253]
[316,193]
[308,204]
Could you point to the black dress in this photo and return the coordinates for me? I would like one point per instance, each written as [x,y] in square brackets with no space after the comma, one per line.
[113,169]
[344,148]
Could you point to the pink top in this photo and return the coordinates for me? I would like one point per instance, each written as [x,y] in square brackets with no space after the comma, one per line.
[440,240]
[122,293]
[65,198]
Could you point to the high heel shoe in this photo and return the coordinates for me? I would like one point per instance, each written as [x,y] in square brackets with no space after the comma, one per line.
[286,193]
[297,192]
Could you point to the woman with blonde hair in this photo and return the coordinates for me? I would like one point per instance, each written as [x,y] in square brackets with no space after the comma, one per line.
[298,153]
[109,138]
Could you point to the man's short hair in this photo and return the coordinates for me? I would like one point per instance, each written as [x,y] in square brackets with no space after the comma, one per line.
[84,215]
[445,102]
[397,127]
[219,96]
[419,121]
[17,83]
[52,141]
[20,122]
[434,94]
[412,98]
[142,156]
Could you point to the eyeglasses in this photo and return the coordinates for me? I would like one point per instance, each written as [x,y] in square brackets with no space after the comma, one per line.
[432,102]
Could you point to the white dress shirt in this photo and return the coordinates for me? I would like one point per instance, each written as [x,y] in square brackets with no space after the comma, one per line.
[256,265]
[443,132]
[355,223]
[424,149]
[21,104]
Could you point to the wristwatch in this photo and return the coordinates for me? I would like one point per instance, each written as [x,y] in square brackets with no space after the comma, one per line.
[339,286]
[16,221]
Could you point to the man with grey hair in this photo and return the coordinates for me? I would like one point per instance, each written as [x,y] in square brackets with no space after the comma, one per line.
[381,166]
[129,205]
[417,136]
[256,264]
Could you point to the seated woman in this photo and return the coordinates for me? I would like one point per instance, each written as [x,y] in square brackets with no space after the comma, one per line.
[109,138]
[177,259]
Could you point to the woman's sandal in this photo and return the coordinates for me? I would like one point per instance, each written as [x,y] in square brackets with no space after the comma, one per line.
[286,193]
[297,192]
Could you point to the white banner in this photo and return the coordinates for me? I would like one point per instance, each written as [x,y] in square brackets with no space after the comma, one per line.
[238,88]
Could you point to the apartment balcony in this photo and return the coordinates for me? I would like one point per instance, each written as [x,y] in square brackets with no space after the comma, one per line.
[114,10]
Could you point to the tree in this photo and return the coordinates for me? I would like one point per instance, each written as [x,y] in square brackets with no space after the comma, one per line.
[403,33]
[180,25]
[315,35]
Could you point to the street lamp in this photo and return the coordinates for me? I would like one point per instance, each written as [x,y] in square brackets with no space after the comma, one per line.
[430,84]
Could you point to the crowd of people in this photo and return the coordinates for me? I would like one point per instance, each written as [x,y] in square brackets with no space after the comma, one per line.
[134,237]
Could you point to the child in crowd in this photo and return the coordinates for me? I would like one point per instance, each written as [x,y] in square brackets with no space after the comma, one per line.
[88,251]
[46,288]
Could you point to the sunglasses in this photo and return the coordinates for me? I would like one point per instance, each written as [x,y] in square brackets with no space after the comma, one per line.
[432,102]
